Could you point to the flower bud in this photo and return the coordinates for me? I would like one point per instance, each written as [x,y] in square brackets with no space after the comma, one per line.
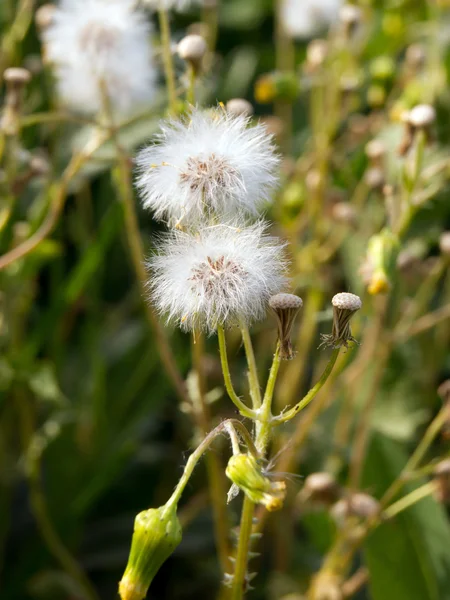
[277,86]
[285,307]
[245,471]
[375,151]
[192,49]
[344,307]
[239,107]
[381,259]
[157,532]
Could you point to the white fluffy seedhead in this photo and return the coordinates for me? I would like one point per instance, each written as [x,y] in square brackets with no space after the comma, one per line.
[305,18]
[211,164]
[219,276]
[101,43]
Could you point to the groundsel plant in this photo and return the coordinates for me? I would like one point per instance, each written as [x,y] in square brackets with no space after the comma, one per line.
[212,164]
[214,270]
[100,47]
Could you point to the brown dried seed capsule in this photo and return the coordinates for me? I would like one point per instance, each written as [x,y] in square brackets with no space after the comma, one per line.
[444,243]
[285,307]
[345,305]
[375,150]
[415,56]
[17,76]
[359,505]
[374,178]
[239,107]
[344,212]
[320,488]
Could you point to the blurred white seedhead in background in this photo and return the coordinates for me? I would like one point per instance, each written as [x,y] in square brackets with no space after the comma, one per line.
[220,276]
[303,19]
[101,47]
[210,164]
[170,4]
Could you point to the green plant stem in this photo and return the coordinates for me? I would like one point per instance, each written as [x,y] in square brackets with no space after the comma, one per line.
[265,422]
[213,466]
[60,192]
[192,78]
[201,449]
[245,532]
[243,409]
[410,499]
[430,435]
[52,539]
[263,432]
[138,256]
[167,58]
[291,413]
[255,390]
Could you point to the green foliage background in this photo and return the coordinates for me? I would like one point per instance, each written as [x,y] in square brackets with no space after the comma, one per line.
[85,405]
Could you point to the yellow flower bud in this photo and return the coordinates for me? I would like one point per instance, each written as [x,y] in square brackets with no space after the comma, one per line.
[245,471]
[157,532]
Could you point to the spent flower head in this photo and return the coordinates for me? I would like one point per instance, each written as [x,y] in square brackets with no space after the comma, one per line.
[98,48]
[305,18]
[209,164]
[285,307]
[221,275]
[344,307]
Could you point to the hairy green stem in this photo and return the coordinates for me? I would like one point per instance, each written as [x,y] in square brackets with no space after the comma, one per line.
[255,390]
[243,409]
[291,413]
[245,532]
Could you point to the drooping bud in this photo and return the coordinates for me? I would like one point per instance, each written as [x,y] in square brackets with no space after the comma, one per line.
[246,472]
[192,49]
[442,478]
[157,532]
[344,307]
[285,307]
[320,488]
[358,505]
[381,259]
[239,107]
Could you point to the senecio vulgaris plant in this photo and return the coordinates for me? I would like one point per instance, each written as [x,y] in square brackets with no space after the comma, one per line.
[208,176]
